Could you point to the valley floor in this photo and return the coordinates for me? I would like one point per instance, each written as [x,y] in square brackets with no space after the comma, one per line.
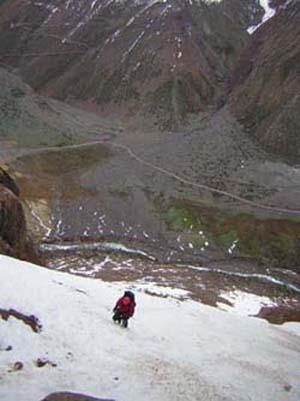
[174,349]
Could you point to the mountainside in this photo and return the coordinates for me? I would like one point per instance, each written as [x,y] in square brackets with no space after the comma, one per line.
[246,13]
[164,192]
[160,59]
[168,164]
[154,187]
[29,120]
[266,85]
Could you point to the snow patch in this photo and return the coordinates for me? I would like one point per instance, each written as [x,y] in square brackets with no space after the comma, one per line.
[269,13]
[244,303]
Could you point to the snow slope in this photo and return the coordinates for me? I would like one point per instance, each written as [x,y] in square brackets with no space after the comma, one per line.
[173,350]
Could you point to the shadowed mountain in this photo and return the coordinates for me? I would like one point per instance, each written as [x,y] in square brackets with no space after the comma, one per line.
[160,59]
[30,120]
[266,84]
[246,13]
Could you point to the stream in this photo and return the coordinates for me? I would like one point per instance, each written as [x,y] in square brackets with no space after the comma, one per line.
[237,284]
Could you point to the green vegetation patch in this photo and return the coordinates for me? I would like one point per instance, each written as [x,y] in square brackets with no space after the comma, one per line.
[179,217]
[275,240]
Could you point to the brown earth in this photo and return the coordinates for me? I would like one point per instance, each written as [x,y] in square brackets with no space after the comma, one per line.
[31,321]
[13,235]
[280,314]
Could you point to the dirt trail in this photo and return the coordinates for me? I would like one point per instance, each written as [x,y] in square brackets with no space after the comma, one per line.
[168,173]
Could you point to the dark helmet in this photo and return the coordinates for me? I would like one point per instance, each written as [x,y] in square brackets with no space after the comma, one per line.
[130,295]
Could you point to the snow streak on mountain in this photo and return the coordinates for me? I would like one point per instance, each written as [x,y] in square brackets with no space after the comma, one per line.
[164,58]
[150,60]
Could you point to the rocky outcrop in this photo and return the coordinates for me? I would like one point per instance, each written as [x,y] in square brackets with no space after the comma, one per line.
[8,182]
[265,88]
[280,314]
[13,235]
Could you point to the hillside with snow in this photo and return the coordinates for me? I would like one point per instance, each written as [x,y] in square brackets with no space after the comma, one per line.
[173,349]
[146,61]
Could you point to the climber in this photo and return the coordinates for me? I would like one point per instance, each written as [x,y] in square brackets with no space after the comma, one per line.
[124,309]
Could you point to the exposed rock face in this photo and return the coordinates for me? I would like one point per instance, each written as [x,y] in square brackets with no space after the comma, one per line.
[266,94]
[160,60]
[13,237]
[65,396]
[280,314]
[8,182]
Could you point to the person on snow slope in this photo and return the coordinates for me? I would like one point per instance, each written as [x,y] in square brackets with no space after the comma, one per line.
[124,308]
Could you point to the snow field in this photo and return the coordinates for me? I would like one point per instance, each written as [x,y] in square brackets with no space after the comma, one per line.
[173,350]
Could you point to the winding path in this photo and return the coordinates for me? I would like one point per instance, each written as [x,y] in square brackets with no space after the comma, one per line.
[168,173]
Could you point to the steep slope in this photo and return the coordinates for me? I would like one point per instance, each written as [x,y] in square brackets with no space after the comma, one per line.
[265,98]
[211,355]
[159,59]
[29,120]
[148,189]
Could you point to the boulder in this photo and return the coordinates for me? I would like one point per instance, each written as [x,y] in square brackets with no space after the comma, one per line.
[8,182]
[13,234]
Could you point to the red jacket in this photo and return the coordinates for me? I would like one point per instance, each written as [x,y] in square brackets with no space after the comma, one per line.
[125,306]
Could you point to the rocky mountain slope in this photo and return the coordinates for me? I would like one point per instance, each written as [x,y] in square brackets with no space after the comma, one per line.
[152,60]
[134,188]
[29,120]
[266,85]
[246,13]
[166,190]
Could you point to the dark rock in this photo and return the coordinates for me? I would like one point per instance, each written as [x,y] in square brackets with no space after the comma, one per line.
[18,366]
[12,219]
[288,388]
[41,362]
[280,314]
[8,182]
[31,321]
[66,396]
[14,240]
